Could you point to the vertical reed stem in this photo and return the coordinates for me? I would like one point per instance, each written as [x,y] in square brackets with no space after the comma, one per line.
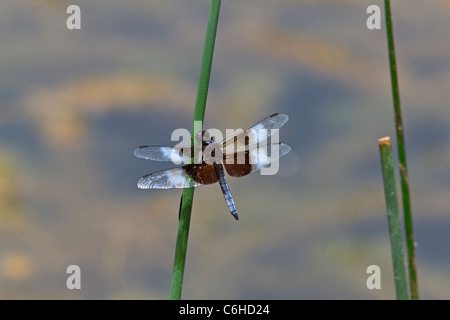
[199,114]
[402,156]
[395,229]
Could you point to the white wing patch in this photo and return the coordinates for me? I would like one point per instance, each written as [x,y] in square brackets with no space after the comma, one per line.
[262,160]
[167,179]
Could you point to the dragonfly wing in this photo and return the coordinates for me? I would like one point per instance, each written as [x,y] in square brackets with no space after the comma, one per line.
[275,121]
[191,175]
[159,153]
[243,163]
[252,136]
[167,179]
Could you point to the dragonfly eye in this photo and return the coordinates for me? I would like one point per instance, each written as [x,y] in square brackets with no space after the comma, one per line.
[199,137]
[206,136]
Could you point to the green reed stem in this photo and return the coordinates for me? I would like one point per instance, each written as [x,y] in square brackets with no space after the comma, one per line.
[402,156]
[199,114]
[395,229]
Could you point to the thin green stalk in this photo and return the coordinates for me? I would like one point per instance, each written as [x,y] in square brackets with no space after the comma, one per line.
[395,229]
[402,157]
[199,114]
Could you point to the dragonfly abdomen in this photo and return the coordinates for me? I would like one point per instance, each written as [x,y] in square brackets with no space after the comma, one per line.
[226,190]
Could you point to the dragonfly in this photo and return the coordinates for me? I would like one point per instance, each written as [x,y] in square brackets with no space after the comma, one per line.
[238,155]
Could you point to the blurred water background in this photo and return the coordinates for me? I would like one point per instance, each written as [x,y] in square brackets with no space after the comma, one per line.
[74,104]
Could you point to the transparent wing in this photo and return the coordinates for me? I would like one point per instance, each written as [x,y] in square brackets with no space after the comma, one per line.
[275,121]
[159,153]
[253,135]
[167,179]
